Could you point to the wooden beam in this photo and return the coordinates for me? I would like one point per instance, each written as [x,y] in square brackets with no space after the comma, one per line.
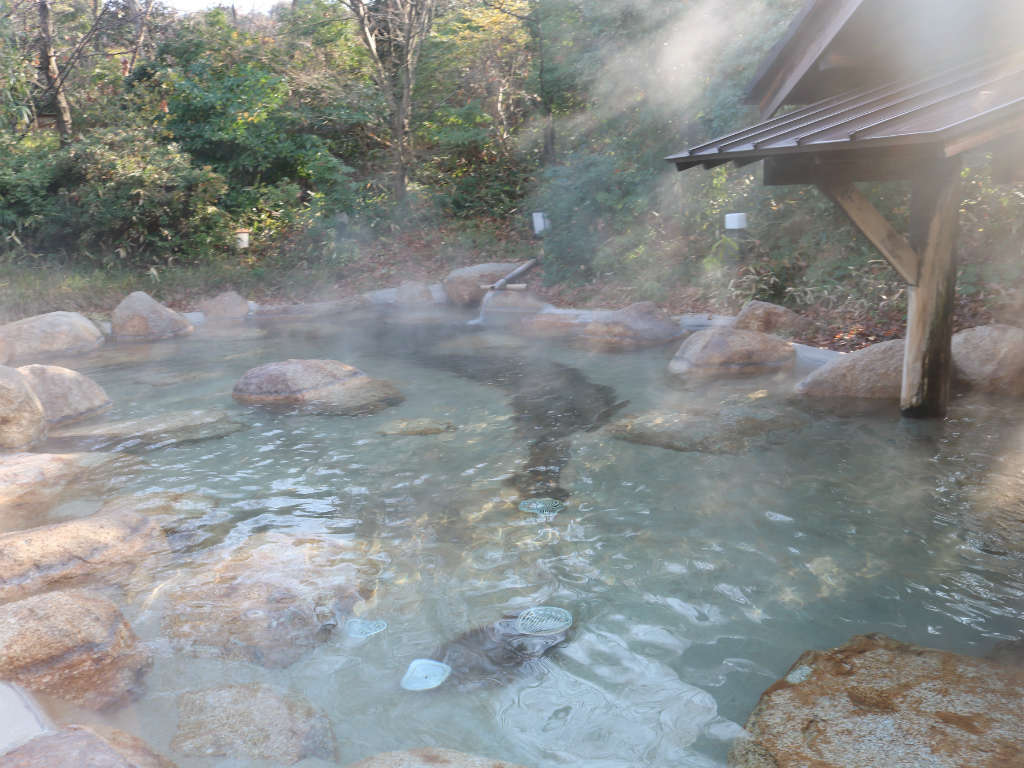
[928,358]
[893,246]
[880,164]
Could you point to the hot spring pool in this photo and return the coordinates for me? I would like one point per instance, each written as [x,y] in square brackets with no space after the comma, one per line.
[694,579]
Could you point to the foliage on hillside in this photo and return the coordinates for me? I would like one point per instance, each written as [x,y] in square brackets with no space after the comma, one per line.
[187,128]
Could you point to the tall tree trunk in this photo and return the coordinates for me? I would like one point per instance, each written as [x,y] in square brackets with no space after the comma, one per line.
[141,19]
[54,82]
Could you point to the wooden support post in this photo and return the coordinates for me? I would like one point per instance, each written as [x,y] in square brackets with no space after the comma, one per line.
[928,359]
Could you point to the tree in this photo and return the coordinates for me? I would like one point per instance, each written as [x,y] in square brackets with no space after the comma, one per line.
[393,32]
[51,73]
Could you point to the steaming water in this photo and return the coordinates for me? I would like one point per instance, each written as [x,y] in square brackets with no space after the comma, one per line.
[695,579]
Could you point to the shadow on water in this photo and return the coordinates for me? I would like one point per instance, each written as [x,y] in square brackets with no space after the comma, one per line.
[551,401]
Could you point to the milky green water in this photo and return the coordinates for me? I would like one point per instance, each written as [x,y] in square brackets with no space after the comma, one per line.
[695,580]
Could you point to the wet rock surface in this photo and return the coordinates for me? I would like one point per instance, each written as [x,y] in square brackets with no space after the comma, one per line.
[102,548]
[764,317]
[416,427]
[728,352]
[73,645]
[875,372]
[22,418]
[730,430]
[30,482]
[463,285]
[78,746]
[41,337]
[634,327]
[430,756]
[316,386]
[990,358]
[495,654]
[66,395]
[265,601]
[148,432]
[413,294]
[878,703]
[140,317]
[254,721]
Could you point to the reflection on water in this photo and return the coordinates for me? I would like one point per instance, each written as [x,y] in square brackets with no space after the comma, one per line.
[694,579]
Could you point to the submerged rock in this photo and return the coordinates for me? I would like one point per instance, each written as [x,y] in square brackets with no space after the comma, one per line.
[22,418]
[252,721]
[226,306]
[73,645]
[728,352]
[764,317]
[79,746]
[22,717]
[32,481]
[416,427]
[494,654]
[878,703]
[463,285]
[875,372]
[140,317]
[990,358]
[66,395]
[316,386]
[149,431]
[994,515]
[262,603]
[37,338]
[104,548]
[727,431]
[429,756]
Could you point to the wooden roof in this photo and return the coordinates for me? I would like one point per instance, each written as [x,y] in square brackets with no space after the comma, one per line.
[943,115]
[833,46]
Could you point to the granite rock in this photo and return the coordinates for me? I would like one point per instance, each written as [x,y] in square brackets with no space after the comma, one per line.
[990,358]
[764,317]
[315,386]
[41,337]
[66,395]
[79,746]
[463,285]
[73,645]
[140,317]
[149,431]
[875,372]
[878,703]
[252,721]
[728,352]
[22,418]
[430,756]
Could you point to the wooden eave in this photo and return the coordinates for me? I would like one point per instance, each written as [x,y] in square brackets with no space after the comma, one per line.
[880,133]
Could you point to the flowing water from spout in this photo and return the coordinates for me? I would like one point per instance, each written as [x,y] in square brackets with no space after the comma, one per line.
[694,579]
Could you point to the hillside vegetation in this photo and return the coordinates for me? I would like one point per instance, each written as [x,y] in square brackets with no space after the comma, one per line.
[362,143]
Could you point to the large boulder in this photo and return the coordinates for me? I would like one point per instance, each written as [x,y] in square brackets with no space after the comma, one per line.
[878,703]
[463,285]
[66,395]
[149,431]
[270,602]
[410,294]
[727,431]
[140,317]
[764,317]
[875,372]
[227,306]
[22,418]
[79,746]
[990,358]
[104,548]
[315,386]
[727,352]
[639,325]
[429,756]
[73,645]
[44,336]
[30,482]
[252,721]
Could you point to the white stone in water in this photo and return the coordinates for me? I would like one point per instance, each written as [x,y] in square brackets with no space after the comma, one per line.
[22,718]
[425,675]
[798,675]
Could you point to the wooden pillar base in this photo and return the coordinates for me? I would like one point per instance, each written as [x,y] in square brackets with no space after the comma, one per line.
[928,359]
